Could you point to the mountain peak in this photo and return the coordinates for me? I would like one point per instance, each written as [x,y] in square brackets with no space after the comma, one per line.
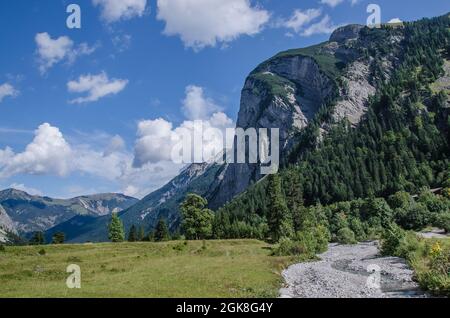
[345,33]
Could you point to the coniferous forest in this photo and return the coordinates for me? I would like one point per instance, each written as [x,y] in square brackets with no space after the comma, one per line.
[355,180]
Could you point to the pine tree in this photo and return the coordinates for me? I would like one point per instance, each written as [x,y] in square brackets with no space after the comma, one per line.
[141,234]
[38,238]
[58,238]
[132,235]
[279,219]
[162,231]
[116,231]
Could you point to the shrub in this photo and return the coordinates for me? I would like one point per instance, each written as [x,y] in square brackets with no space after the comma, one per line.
[357,227]
[2,248]
[288,247]
[408,246]
[417,217]
[390,240]
[435,283]
[346,236]
[42,252]
[443,221]
[308,242]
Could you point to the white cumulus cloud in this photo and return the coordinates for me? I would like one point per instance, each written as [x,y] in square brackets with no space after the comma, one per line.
[116,10]
[196,105]
[308,22]
[48,153]
[7,90]
[52,51]
[203,23]
[300,18]
[324,26]
[96,87]
[157,138]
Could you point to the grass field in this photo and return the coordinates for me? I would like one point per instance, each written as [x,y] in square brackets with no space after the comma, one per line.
[240,268]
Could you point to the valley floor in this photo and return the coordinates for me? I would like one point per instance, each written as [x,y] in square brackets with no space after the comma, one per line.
[239,268]
[351,271]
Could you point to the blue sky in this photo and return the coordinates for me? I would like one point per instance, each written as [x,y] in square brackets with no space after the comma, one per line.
[92,109]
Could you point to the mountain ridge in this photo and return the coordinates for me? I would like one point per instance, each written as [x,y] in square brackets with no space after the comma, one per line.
[22,213]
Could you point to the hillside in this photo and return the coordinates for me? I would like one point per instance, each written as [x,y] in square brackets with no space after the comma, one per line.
[400,144]
[24,213]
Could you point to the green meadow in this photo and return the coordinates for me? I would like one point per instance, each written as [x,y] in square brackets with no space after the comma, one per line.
[236,268]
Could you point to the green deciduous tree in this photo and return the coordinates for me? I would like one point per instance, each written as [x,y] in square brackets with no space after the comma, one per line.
[197,220]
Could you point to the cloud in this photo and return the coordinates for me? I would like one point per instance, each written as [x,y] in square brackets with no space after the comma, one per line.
[196,105]
[301,18]
[52,51]
[7,90]
[117,10]
[302,23]
[22,187]
[116,144]
[203,23]
[138,172]
[332,3]
[48,153]
[324,26]
[96,87]
[157,138]
[394,21]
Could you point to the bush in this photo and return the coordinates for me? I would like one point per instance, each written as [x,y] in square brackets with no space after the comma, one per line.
[288,247]
[435,283]
[346,236]
[443,221]
[2,248]
[357,227]
[309,242]
[42,252]
[390,240]
[417,217]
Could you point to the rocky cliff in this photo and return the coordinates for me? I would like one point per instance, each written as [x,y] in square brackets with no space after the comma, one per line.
[288,91]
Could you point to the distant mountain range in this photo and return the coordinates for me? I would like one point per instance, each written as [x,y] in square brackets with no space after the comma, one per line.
[23,213]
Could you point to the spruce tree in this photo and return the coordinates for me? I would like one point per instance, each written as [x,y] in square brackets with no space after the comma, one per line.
[132,235]
[116,231]
[58,238]
[141,234]
[162,231]
[38,238]
[279,218]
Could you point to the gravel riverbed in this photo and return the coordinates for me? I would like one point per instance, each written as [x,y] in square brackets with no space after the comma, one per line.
[351,271]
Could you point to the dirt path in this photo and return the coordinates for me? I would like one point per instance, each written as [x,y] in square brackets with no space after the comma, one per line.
[351,271]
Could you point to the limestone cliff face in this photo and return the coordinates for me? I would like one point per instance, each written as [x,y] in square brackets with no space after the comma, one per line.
[287,91]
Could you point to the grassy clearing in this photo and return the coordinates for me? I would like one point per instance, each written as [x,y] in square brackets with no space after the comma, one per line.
[430,258]
[236,268]
[430,262]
